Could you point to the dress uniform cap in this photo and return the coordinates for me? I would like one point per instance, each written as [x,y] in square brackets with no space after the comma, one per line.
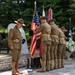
[21,21]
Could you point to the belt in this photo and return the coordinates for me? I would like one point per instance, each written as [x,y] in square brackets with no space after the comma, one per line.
[16,40]
[55,36]
[45,34]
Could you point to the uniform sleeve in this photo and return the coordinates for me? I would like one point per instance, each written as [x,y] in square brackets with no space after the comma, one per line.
[39,30]
[10,36]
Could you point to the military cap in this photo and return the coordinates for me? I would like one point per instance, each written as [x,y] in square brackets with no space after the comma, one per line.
[21,21]
[63,28]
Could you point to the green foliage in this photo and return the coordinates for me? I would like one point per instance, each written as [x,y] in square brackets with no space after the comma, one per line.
[12,10]
[28,37]
[71,11]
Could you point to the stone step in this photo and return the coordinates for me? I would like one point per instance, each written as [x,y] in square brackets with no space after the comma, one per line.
[5,62]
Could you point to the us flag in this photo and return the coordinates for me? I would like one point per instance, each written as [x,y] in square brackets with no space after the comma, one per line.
[34,26]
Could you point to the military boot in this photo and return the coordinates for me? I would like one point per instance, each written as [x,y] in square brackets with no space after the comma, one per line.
[44,65]
[43,69]
[56,64]
[62,63]
[59,63]
[52,65]
[48,66]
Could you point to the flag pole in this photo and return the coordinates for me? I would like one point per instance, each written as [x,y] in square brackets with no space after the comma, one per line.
[34,26]
[32,58]
[34,8]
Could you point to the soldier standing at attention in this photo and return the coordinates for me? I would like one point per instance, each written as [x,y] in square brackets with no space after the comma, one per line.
[54,44]
[45,30]
[14,42]
[61,47]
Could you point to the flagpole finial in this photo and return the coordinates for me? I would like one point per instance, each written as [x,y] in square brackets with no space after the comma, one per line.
[35,4]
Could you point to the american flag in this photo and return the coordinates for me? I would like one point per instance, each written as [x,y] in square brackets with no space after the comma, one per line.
[34,26]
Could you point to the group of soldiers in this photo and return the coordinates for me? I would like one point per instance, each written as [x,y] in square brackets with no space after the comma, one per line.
[53,45]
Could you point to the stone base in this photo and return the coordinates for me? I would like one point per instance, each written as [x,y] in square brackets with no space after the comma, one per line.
[5,62]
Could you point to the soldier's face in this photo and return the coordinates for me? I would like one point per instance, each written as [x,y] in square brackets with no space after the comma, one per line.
[42,21]
[19,25]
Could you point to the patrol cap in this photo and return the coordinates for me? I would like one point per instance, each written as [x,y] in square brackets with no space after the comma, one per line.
[21,21]
[63,28]
[52,20]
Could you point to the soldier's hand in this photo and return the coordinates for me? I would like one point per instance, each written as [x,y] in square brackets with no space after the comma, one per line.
[11,47]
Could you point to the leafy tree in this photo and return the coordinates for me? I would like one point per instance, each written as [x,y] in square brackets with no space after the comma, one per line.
[71,11]
[11,10]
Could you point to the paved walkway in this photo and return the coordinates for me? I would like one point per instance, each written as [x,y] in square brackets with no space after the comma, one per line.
[69,69]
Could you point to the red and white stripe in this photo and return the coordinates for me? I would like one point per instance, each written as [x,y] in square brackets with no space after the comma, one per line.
[49,14]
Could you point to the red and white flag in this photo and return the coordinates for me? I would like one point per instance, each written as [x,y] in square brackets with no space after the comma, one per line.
[49,14]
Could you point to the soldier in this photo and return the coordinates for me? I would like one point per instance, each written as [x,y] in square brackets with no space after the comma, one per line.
[61,47]
[45,30]
[14,42]
[54,43]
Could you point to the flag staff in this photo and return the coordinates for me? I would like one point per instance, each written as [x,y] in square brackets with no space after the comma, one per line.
[43,12]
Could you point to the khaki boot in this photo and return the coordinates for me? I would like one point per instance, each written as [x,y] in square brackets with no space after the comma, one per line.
[52,65]
[44,65]
[62,63]
[59,63]
[13,67]
[56,64]
[48,66]
[16,66]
